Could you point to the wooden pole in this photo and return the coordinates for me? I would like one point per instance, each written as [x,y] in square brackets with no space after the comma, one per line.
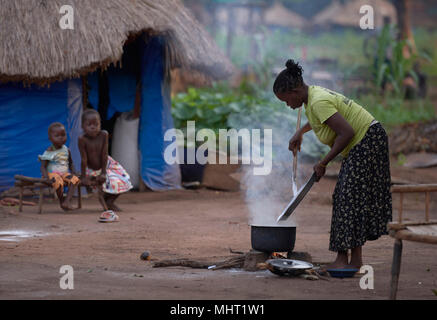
[31,180]
[427,206]
[299,115]
[411,236]
[395,269]
[41,199]
[20,207]
[411,188]
[79,195]
[401,200]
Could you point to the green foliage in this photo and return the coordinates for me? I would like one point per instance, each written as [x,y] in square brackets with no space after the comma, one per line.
[389,62]
[392,111]
[380,67]
[211,107]
[426,42]
[222,107]
[401,159]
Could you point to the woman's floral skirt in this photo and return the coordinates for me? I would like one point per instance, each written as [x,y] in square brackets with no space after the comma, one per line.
[362,203]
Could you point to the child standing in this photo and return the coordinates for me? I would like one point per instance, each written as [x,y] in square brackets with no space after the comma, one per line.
[57,165]
[98,168]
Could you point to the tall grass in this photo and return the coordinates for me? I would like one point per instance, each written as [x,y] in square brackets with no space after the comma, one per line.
[392,111]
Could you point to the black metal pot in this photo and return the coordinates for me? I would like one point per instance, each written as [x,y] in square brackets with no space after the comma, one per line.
[192,172]
[273,238]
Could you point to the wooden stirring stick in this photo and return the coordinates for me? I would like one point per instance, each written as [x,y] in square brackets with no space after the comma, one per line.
[299,114]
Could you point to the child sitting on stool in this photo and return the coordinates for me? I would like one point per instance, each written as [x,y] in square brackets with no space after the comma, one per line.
[98,168]
[57,165]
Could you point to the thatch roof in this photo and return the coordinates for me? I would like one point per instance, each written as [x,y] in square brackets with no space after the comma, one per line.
[34,49]
[281,16]
[329,13]
[349,15]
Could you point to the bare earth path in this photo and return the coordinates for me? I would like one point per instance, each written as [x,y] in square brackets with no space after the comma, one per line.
[191,224]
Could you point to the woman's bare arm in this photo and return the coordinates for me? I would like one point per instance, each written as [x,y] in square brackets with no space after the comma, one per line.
[296,140]
[305,128]
[345,134]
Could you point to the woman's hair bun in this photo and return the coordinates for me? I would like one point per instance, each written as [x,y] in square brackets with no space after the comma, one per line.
[288,79]
[294,68]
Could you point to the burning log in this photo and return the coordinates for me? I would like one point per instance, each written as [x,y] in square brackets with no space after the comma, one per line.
[247,261]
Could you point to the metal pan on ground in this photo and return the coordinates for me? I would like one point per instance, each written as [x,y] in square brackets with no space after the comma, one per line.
[288,267]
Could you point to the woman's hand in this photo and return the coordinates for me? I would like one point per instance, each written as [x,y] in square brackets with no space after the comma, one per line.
[295,142]
[320,170]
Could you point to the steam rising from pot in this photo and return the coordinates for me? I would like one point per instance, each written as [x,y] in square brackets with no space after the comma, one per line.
[267,195]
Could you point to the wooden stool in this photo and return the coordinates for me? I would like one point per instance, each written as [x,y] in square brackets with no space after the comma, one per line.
[24,182]
[422,231]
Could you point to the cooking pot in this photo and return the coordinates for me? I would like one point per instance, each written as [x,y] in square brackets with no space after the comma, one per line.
[273,238]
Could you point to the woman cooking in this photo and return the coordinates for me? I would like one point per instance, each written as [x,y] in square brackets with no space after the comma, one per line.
[362,204]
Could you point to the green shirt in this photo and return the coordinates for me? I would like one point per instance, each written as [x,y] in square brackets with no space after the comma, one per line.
[323,103]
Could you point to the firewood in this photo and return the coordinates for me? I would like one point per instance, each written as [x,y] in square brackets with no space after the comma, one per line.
[252,258]
[233,262]
[182,263]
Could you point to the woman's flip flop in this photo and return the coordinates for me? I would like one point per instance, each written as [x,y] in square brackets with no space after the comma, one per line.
[108,216]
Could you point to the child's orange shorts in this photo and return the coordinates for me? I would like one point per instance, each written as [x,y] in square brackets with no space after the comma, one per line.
[62,179]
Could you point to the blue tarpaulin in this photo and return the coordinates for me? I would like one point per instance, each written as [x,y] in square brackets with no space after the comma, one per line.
[155,119]
[122,86]
[25,115]
[74,119]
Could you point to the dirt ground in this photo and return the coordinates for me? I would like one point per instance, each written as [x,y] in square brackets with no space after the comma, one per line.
[192,224]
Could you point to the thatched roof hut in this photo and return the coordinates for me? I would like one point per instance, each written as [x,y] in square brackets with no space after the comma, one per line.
[348,15]
[36,50]
[328,14]
[281,16]
[122,50]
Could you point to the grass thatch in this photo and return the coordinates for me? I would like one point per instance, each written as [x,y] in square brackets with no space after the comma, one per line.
[34,49]
[348,15]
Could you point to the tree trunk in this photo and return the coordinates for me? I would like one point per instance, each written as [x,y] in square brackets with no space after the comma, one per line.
[403,13]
